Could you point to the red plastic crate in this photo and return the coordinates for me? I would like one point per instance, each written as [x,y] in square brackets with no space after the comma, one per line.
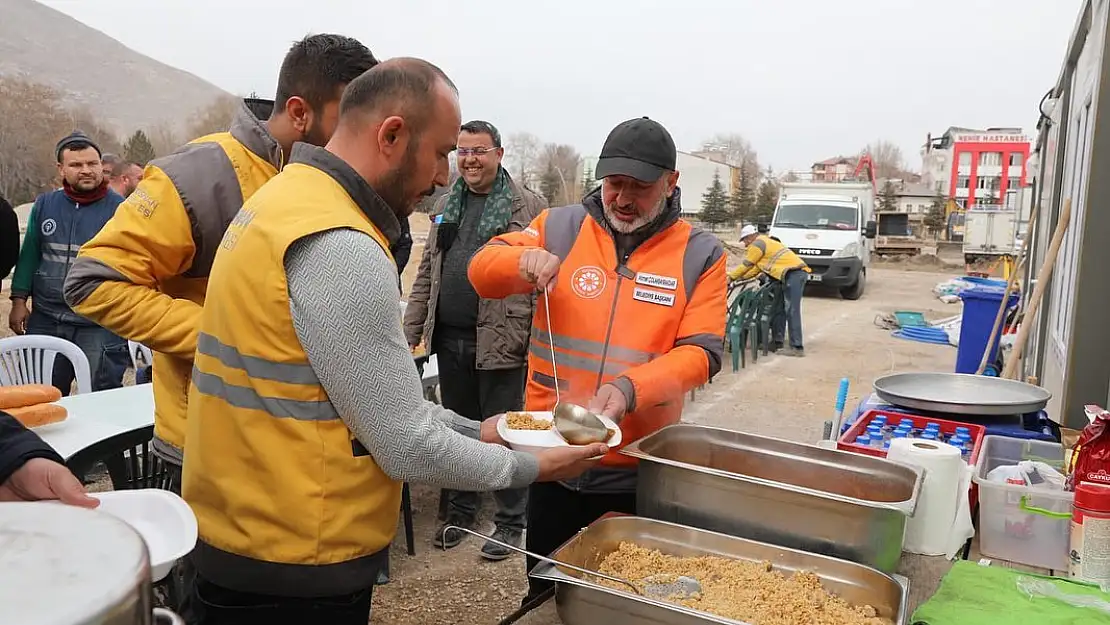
[847,441]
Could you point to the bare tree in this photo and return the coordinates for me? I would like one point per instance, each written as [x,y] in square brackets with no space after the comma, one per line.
[888,159]
[563,163]
[732,149]
[164,138]
[522,156]
[83,119]
[32,119]
[216,117]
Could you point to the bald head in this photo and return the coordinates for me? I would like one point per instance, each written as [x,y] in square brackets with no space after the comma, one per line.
[398,123]
[403,86]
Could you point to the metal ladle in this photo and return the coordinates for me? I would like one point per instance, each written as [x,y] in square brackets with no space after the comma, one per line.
[577,425]
[682,587]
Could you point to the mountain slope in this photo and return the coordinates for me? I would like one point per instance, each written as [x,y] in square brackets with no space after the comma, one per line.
[123,89]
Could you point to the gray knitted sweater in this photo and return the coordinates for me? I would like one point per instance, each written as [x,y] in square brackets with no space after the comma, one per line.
[344,297]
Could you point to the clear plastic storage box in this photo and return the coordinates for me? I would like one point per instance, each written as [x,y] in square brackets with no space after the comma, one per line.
[1023,524]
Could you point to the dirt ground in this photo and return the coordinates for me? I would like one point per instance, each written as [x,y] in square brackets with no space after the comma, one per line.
[777,396]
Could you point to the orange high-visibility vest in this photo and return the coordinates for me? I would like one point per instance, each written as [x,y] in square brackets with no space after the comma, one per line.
[655,319]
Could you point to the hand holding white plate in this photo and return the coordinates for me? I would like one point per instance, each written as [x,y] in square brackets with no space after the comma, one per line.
[534,441]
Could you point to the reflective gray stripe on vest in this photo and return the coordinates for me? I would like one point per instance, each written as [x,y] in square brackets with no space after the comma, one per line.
[777,255]
[561,227]
[255,367]
[62,248]
[594,348]
[703,250]
[249,399]
[760,245]
[583,363]
[205,179]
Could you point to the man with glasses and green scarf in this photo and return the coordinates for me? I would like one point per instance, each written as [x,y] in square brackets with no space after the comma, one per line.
[481,344]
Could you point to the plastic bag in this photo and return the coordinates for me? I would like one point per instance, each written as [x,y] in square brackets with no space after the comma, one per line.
[1034,588]
[1090,459]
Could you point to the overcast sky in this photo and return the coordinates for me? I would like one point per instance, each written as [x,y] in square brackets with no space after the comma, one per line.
[801,79]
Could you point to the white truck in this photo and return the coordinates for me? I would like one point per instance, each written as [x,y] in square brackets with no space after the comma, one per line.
[989,234]
[830,225]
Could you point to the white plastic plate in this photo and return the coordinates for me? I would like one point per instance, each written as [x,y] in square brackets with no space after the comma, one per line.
[163,519]
[537,440]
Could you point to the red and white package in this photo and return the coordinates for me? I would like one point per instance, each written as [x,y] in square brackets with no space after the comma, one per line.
[1090,459]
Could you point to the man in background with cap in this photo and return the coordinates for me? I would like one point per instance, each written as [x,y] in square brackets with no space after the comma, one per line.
[60,222]
[767,255]
[481,344]
[637,317]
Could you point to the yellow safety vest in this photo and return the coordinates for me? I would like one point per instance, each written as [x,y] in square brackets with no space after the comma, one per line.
[287,501]
[770,257]
[164,237]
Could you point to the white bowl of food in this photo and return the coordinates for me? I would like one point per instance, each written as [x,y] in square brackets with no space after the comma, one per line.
[535,431]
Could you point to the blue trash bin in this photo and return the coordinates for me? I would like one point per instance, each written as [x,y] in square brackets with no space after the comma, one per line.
[980,309]
[977,281]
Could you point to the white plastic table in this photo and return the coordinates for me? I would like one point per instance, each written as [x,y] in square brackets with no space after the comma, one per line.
[94,417]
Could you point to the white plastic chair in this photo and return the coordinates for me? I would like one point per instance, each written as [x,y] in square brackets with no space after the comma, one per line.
[141,356]
[29,359]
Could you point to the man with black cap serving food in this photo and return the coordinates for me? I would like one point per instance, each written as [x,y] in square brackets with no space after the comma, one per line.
[637,299]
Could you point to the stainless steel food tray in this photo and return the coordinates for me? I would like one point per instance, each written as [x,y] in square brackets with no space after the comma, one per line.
[581,601]
[961,393]
[822,501]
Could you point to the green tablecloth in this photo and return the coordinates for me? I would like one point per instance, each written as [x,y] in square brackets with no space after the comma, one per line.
[971,594]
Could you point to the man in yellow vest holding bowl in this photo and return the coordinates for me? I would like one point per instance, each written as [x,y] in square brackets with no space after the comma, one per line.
[307,416]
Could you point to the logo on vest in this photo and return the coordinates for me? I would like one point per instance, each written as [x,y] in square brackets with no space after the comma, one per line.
[661,282]
[588,282]
[48,227]
[653,297]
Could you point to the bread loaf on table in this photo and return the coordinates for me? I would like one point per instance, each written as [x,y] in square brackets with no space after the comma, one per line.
[23,395]
[39,414]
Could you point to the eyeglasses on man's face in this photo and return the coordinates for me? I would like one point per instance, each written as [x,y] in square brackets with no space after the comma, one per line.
[474,151]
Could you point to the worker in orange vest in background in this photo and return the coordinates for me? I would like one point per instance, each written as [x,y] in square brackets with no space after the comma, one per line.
[637,299]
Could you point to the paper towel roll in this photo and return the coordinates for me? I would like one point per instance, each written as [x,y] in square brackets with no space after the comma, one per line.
[930,530]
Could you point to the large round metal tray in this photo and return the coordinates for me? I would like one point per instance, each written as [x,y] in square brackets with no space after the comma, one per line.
[961,393]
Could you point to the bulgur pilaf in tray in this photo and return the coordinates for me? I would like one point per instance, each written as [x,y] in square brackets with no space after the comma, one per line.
[739,589]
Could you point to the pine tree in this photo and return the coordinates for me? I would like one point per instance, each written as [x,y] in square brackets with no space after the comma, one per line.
[765,201]
[888,197]
[714,204]
[742,200]
[138,149]
[935,219]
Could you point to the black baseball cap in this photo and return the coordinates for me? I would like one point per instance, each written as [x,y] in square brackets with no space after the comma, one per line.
[640,148]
